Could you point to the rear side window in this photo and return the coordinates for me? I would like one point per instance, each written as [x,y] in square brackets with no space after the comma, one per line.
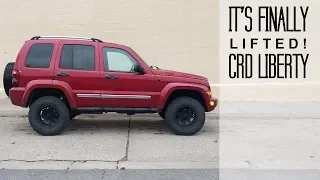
[78,57]
[39,55]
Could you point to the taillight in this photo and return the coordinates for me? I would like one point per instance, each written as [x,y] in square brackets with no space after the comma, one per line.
[15,78]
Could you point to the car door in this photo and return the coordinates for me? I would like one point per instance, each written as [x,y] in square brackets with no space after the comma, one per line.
[121,86]
[78,66]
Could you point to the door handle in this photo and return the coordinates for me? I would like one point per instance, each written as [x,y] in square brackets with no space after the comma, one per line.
[62,74]
[111,77]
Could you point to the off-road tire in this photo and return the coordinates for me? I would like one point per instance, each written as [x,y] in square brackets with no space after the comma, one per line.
[173,123]
[53,102]
[7,77]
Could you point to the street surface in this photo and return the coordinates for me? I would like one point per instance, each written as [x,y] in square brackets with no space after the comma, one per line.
[110,174]
[246,140]
[163,174]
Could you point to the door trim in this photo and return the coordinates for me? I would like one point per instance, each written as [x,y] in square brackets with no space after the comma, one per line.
[89,95]
[112,96]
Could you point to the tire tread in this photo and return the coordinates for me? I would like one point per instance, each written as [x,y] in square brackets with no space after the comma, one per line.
[7,77]
[59,103]
[194,128]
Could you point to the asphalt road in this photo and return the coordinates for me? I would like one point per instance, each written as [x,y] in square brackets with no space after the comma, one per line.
[109,175]
[164,174]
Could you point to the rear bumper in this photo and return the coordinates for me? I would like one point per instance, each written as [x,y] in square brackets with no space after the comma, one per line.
[16,95]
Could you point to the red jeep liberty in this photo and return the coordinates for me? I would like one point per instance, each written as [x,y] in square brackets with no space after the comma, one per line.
[60,77]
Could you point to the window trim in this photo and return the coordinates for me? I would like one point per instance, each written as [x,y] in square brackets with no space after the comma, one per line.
[71,69]
[114,71]
[29,49]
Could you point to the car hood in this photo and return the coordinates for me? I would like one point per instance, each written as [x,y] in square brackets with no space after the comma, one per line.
[178,74]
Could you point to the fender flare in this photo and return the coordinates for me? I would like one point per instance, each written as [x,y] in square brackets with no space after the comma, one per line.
[171,87]
[36,84]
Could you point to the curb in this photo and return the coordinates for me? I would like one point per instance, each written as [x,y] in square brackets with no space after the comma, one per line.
[168,165]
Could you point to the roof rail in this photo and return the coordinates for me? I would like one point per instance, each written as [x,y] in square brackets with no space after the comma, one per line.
[66,37]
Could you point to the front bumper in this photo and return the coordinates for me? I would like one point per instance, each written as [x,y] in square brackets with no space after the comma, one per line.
[212,104]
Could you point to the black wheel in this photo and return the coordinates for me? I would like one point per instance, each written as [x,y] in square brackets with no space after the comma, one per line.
[185,116]
[7,77]
[162,114]
[49,115]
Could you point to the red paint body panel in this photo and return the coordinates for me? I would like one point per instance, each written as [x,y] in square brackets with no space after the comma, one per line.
[127,83]
[15,95]
[149,90]
[80,81]
[29,74]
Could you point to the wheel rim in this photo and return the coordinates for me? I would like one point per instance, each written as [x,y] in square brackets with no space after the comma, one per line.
[185,116]
[48,116]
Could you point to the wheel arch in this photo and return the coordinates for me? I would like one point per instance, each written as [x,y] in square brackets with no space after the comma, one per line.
[39,88]
[175,90]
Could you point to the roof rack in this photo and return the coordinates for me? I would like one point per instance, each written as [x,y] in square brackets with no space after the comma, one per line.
[66,37]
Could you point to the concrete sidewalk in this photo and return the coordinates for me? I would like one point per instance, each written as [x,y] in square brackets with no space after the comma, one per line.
[289,108]
[238,135]
[269,135]
[109,141]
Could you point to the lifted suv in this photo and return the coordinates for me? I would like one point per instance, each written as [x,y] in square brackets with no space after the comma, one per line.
[59,78]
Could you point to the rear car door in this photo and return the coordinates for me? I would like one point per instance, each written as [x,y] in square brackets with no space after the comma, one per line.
[121,86]
[78,66]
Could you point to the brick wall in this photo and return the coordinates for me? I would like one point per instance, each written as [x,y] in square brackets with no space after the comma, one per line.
[173,34]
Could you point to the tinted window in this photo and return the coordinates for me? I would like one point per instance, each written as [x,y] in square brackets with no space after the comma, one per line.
[39,56]
[79,57]
[117,60]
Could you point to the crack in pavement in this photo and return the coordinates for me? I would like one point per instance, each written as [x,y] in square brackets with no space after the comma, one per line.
[15,116]
[70,165]
[58,164]
[128,141]
[251,165]
[125,158]
[58,160]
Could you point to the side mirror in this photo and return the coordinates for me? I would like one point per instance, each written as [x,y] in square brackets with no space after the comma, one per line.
[138,68]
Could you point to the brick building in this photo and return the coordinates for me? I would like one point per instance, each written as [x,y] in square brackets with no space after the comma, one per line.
[179,35]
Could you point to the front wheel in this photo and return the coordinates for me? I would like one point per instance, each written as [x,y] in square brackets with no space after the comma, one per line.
[49,115]
[185,116]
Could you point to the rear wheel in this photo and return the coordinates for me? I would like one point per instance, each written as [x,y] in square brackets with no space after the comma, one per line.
[49,115]
[7,77]
[185,116]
